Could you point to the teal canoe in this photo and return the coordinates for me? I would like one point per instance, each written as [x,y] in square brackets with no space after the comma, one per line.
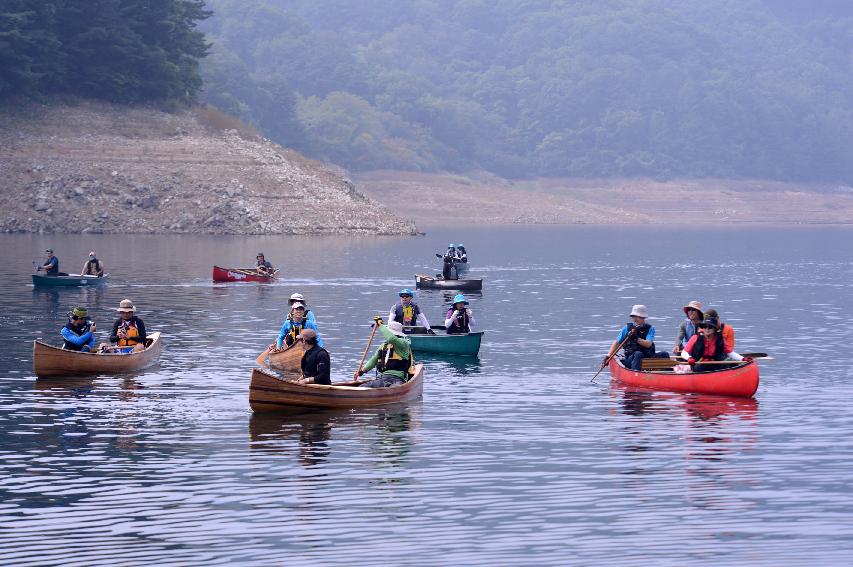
[442,343]
[69,281]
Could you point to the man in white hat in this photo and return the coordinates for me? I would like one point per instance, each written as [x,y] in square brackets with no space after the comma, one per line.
[93,266]
[392,360]
[638,337]
[689,327]
[128,334]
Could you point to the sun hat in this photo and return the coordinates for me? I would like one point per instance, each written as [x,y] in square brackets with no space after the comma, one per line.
[396,327]
[49,250]
[693,305]
[459,298]
[126,305]
[406,291]
[451,245]
[260,254]
[460,245]
[297,305]
[710,322]
[297,297]
[639,311]
[80,312]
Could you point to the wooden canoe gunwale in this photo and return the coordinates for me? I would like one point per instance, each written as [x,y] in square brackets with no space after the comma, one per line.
[269,393]
[740,381]
[51,361]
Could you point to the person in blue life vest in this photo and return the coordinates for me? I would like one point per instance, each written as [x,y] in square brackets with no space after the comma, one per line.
[407,313]
[639,339]
[689,326]
[459,318]
[92,266]
[392,360]
[78,334]
[295,323]
[297,298]
[51,265]
[263,266]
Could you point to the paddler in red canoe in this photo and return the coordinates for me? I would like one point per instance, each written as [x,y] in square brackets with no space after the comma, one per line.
[708,345]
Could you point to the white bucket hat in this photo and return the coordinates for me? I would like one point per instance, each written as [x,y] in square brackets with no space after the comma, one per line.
[126,305]
[297,297]
[396,327]
[639,311]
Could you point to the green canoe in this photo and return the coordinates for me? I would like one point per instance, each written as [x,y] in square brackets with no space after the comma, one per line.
[68,281]
[441,342]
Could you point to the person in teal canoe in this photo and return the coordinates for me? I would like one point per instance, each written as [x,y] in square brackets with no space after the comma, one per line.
[79,333]
[51,265]
[392,360]
[293,326]
[406,311]
[459,319]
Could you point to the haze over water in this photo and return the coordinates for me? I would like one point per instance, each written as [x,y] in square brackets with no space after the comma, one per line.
[510,459]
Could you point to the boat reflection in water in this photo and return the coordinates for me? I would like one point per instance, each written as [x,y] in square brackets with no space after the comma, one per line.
[385,431]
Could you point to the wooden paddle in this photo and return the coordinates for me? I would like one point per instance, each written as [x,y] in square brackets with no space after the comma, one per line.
[367,348]
[607,360]
[263,356]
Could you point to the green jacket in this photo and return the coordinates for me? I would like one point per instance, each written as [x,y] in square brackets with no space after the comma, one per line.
[402,347]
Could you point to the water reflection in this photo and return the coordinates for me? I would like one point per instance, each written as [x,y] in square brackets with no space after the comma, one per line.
[454,365]
[384,431]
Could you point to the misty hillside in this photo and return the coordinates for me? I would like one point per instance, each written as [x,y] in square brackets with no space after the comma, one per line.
[725,88]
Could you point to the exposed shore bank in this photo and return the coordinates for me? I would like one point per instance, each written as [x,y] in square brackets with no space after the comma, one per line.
[101,168]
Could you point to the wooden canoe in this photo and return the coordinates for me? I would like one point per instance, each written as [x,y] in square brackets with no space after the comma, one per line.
[71,280]
[740,381]
[287,360]
[54,361]
[241,275]
[463,344]
[438,282]
[269,393]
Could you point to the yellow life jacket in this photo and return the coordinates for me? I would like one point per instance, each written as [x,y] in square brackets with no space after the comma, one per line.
[388,359]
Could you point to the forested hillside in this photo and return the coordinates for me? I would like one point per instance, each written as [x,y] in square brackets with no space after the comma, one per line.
[118,50]
[725,88]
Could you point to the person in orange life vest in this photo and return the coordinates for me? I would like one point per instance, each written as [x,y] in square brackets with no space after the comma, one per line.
[708,345]
[407,313]
[723,328]
[93,266]
[128,334]
[459,319]
[688,327]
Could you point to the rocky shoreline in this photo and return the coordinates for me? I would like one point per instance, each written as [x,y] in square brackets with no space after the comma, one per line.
[96,168]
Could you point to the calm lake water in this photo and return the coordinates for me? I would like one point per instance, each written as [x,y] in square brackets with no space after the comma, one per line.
[514,458]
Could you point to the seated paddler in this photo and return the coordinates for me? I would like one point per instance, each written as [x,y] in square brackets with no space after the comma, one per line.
[637,338]
[459,319]
[708,345]
[407,313]
[79,333]
[263,265]
[392,360]
[128,334]
[92,266]
[293,326]
[315,363]
[51,265]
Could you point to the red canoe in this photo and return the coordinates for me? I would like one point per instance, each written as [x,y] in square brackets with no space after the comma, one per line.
[740,381]
[241,275]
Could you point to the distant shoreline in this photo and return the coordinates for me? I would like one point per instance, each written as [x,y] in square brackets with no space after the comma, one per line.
[444,200]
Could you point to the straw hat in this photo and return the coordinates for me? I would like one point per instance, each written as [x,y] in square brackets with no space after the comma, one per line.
[693,305]
[639,311]
[126,305]
[396,327]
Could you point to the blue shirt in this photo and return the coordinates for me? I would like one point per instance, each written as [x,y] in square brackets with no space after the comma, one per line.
[624,333]
[307,324]
[54,266]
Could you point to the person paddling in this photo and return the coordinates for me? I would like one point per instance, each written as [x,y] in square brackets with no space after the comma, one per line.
[392,360]
[93,266]
[51,265]
[78,334]
[459,318]
[708,345]
[263,266]
[688,327]
[406,311]
[638,337]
